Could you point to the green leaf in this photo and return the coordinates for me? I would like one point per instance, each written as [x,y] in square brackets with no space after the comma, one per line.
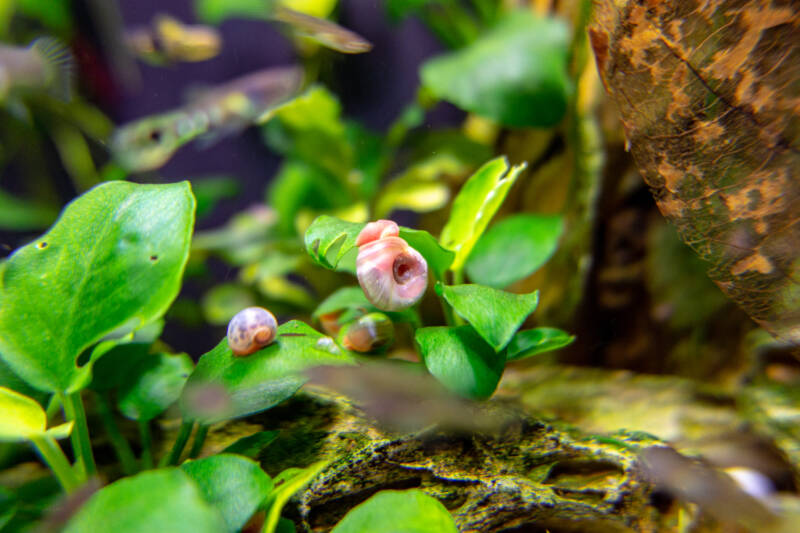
[496,315]
[115,257]
[353,299]
[330,240]
[216,11]
[115,367]
[476,203]
[409,511]
[252,445]
[22,417]
[513,249]
[224,386]
[158,500]
[235,485]
[515,74]
[461,360]
[284,491]
[155,384]
[535,341]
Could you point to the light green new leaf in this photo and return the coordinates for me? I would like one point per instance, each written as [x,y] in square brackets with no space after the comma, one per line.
[513,249]
[283,491]
[461,360]
[515,74]
[496,315]
[22,417]
[389,511]
[115,257]
[158,500]
[535,341]
[224,386]
[235,485]
[476,203]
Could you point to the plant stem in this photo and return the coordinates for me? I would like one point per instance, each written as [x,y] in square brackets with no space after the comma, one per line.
[199,439]
[81,445]
[53,406]
[449,316]
[146,440]
[180,442]
[118,442]
[52,454]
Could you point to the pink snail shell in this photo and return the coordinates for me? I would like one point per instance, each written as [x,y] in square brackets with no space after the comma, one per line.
[251,329]
[391,273]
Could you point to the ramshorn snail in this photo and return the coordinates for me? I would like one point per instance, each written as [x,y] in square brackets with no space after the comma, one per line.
[369,333]
[250,330]
[392,274]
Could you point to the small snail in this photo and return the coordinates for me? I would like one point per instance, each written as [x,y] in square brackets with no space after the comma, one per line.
[392,274]
[250,330]
[369,333]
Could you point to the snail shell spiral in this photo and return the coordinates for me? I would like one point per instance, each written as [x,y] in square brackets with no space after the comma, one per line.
[368,333]
[392,274]
[250,330]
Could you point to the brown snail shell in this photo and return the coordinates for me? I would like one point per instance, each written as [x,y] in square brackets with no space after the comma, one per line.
[368,333]
[250,330]
[392,274]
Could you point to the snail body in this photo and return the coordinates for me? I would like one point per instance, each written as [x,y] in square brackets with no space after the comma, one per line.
[392,274]
[368,333]
[250,330]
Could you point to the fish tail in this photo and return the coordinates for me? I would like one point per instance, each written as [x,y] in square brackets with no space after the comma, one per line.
[59,66]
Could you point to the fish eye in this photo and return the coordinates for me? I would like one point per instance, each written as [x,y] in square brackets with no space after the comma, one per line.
[155,135]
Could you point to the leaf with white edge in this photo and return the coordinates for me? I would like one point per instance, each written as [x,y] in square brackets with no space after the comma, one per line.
[224,386]
[389,511]
[461,360]
[513,249]
[285,490]
[496,315]
[166,499]
[476,203]
[115,257]
[535,341]
[235,485]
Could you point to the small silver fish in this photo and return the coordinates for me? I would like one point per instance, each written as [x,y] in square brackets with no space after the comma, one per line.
[45,64]
[148,143]
[168,40]
[326,33]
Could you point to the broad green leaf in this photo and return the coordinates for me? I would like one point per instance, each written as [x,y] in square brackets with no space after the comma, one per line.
[535,341]
[389,511]
[22,417]
[235,485]
[516,74]
[158,500]
[330,240]
[513,249]
[461,360]
[496,315]
[476,203]
[12,381]
[17,214]
[224,386]
[115,257]
[252,445]
[285,490]
[155,383]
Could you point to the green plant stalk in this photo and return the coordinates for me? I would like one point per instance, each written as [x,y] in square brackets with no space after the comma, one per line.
[146,440]
[449,315]
[53,406]
[52,454]
[199,439]
[180,443]
[120,444]
[81,444]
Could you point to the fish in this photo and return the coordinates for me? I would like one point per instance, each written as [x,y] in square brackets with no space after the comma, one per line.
[167,40]
[46,64]
[148,143]
[322,31]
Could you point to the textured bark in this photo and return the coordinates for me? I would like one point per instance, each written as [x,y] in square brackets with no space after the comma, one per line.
[709,94]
